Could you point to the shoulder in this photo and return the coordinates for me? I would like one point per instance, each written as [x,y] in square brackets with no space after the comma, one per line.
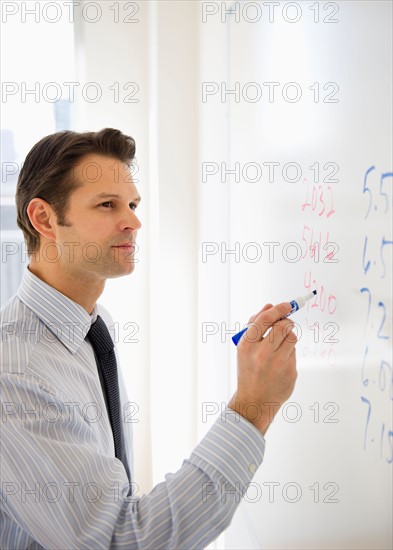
[20,331]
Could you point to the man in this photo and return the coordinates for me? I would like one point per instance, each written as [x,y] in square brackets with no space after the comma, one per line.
[65,475]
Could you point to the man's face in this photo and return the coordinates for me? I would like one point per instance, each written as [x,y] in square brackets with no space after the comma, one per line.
[101,223]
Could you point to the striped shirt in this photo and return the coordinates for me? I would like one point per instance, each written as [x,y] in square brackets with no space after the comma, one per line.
[61,485]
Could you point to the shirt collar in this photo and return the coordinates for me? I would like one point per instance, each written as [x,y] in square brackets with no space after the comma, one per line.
[68,320]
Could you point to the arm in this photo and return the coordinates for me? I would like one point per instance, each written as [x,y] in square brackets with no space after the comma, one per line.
[65,493]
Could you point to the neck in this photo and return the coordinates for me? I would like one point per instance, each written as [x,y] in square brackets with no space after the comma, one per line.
[84,289]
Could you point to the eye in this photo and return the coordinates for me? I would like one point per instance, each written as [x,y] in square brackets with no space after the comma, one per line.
[133,206]
[105,204]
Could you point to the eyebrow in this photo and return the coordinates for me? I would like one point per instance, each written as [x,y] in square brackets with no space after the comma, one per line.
[114,196]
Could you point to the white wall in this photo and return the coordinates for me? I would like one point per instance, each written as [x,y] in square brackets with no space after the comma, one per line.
[159,54]
[175,369]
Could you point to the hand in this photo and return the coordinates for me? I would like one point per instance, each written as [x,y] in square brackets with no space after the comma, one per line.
[266,366]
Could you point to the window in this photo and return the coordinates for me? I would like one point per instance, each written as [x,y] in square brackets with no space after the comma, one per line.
[37,60]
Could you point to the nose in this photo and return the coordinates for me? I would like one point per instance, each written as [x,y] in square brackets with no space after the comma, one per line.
[130,220]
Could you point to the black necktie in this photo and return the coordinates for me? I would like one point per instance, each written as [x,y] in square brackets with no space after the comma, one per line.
[106,361]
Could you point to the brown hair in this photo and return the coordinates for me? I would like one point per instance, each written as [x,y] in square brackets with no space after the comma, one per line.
[47,171]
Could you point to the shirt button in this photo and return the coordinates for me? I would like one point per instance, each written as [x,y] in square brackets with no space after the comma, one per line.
[252,468]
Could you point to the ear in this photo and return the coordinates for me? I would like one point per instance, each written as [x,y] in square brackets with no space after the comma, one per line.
[42,218]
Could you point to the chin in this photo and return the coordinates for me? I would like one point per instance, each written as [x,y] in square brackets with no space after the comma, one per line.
[127,269]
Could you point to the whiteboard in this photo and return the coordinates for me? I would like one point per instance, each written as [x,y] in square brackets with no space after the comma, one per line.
[309,96]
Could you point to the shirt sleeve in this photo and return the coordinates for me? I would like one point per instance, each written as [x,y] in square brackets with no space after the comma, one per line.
[64,493]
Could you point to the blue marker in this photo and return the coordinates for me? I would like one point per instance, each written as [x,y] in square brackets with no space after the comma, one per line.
[296,304]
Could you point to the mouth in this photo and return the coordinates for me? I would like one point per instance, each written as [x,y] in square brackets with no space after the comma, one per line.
[125,246]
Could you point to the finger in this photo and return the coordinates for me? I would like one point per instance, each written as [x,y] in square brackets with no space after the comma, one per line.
[289,343]
[265,308]
[265,319]
[291,364]
[282,337]
[256,332]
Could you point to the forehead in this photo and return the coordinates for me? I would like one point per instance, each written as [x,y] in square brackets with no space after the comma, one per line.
[98,173]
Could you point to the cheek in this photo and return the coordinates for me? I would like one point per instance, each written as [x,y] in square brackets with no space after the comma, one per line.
[100,232]
[93,227]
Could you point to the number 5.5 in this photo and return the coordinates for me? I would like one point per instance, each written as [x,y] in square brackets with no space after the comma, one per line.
[367,189]
[384,176]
